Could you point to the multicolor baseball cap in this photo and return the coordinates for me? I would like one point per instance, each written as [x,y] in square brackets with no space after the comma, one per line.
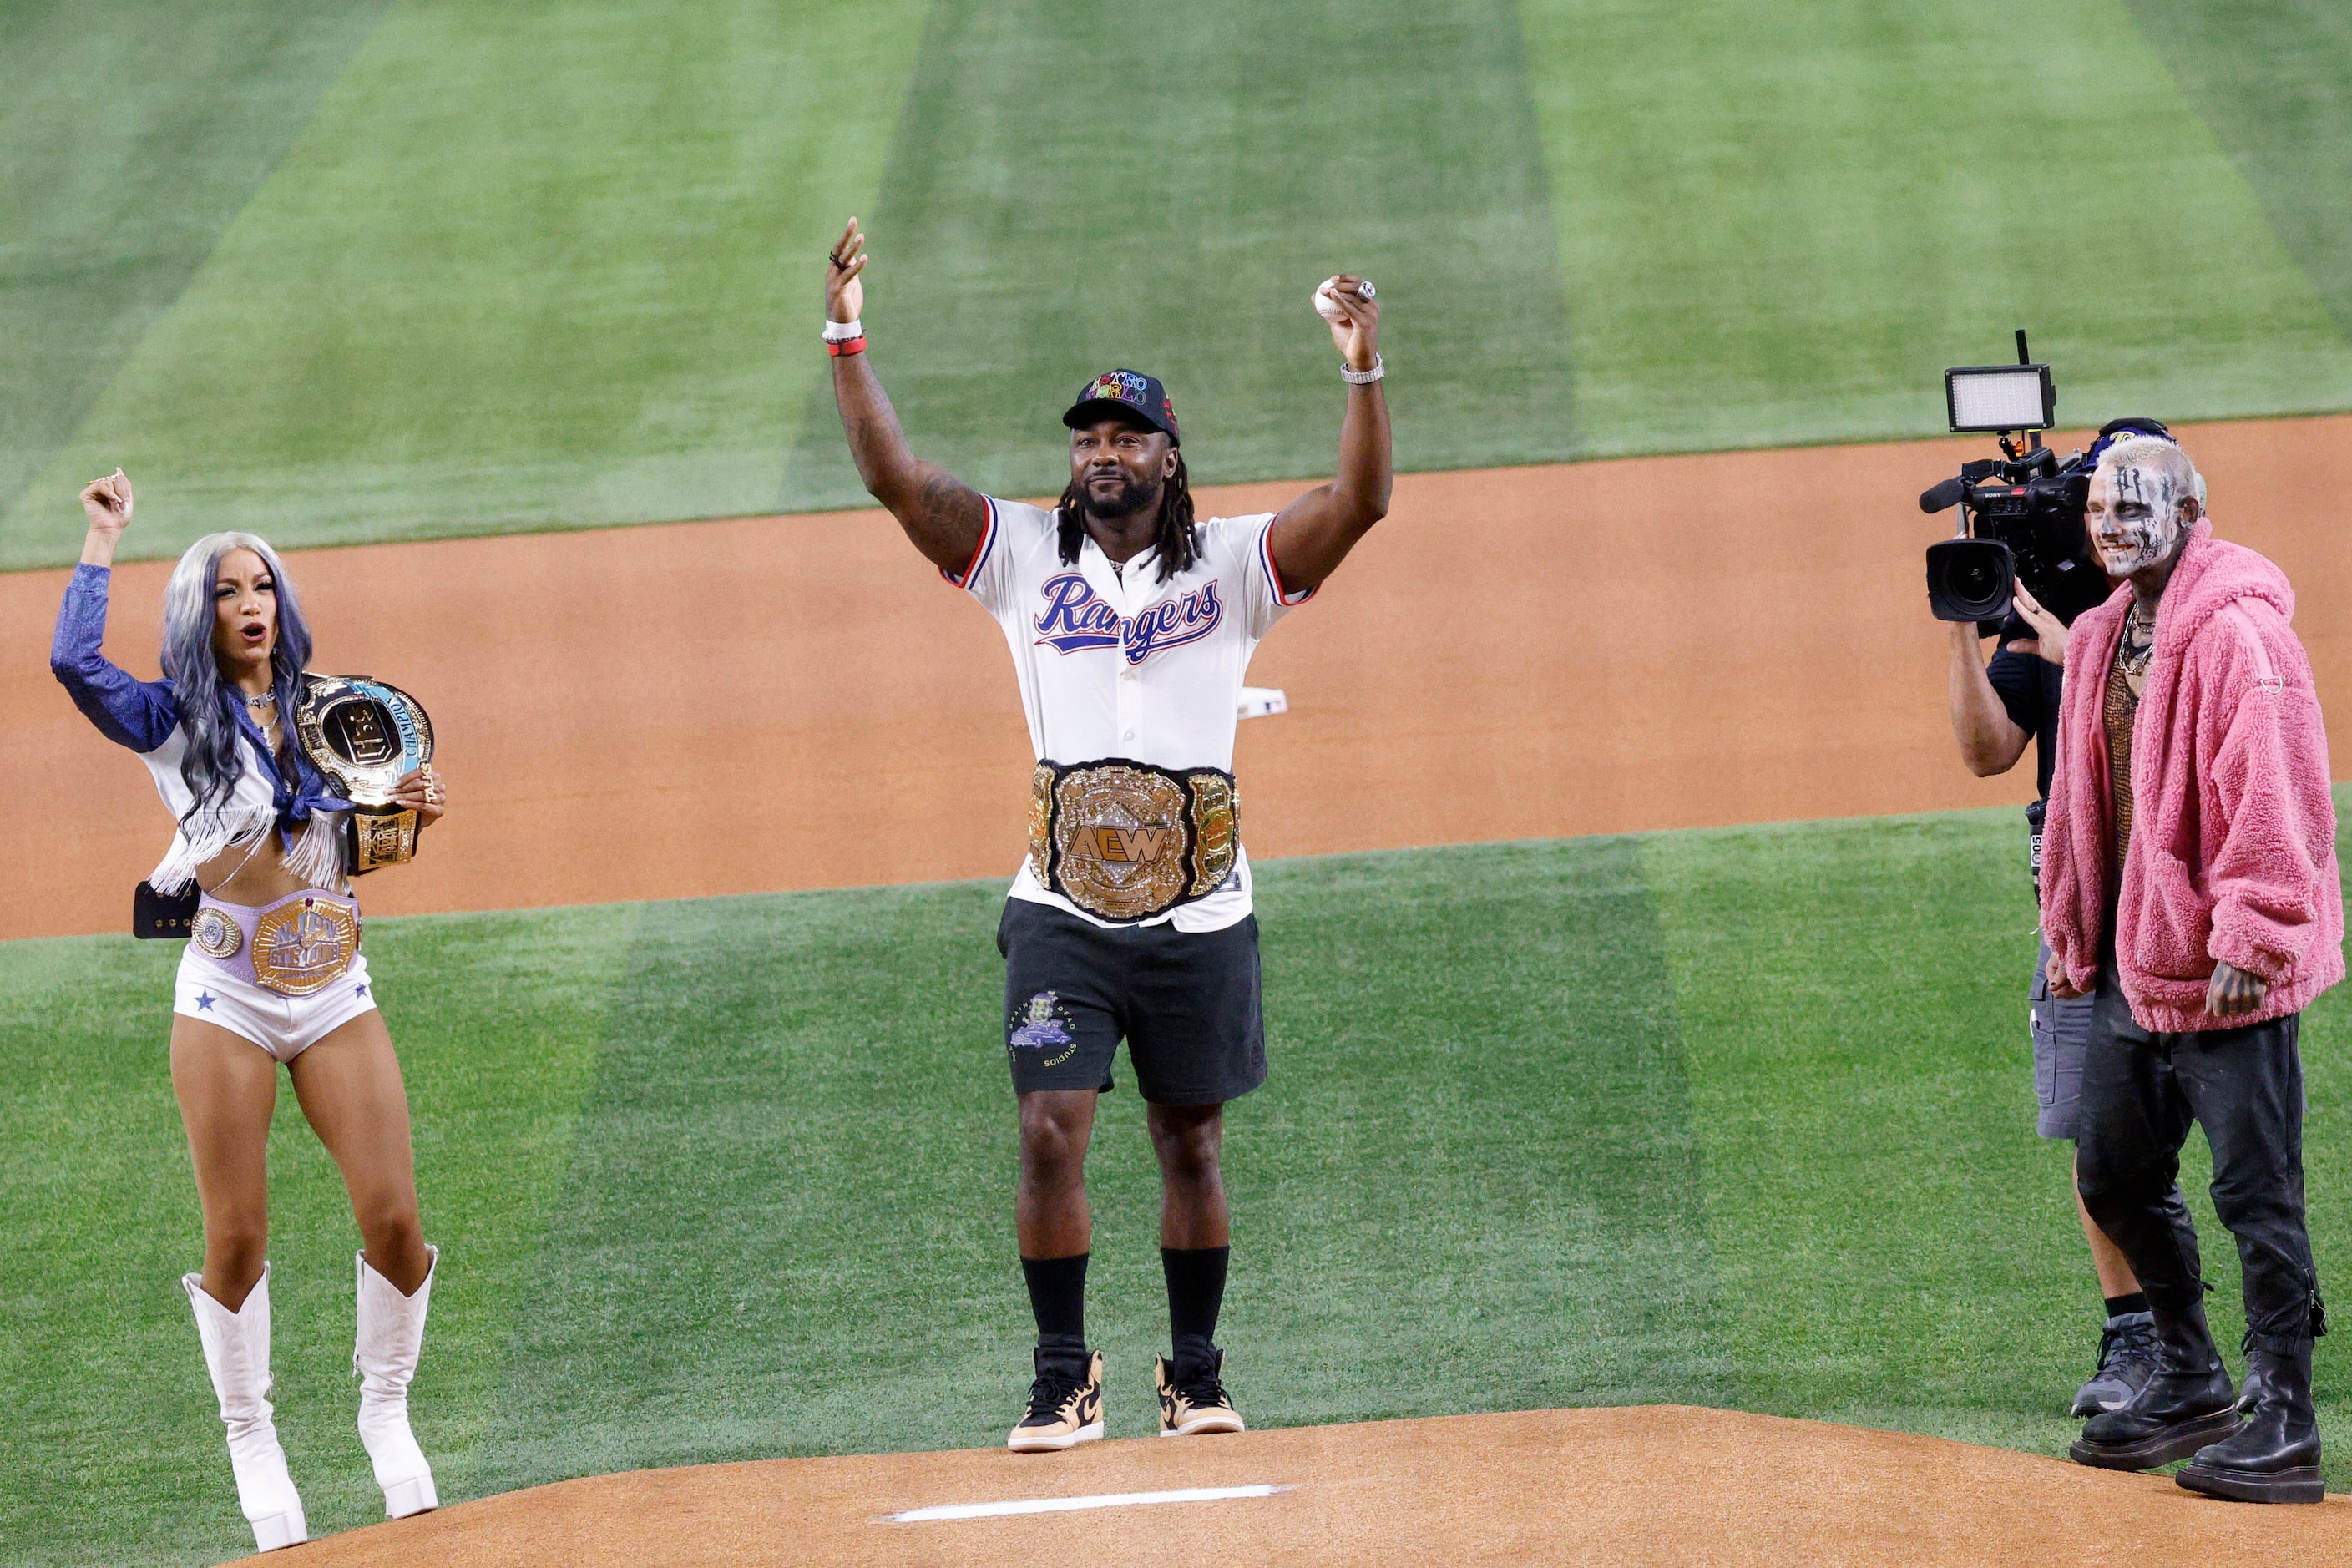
[1130,391]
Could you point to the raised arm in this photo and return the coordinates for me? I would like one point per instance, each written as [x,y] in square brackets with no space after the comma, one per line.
[129,711]
[1314,533]
[942,515]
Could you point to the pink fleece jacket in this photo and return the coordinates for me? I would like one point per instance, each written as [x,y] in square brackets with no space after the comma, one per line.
[2233,852]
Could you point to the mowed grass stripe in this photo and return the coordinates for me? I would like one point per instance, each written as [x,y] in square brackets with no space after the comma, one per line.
[1738,1117]
[1778,223]
[527,267]
[788,1226]
[1894,1247]
[131,133]
[2273,80]
[1070,192]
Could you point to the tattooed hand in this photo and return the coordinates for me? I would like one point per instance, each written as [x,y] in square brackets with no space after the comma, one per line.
[2232,991]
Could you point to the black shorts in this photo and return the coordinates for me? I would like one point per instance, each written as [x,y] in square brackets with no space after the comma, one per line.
[1187,1003]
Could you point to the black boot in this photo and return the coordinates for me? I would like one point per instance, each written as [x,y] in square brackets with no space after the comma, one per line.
[2186,1404]
[2275,1459]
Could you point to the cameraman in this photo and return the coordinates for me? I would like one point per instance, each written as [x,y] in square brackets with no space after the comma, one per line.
[1996,709]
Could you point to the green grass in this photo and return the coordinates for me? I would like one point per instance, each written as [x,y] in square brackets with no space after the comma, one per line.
[2271,78]
[1740,1117]
[1778,223]
[349,272]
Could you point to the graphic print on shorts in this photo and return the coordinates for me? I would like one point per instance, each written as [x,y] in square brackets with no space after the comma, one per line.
[1043,1023]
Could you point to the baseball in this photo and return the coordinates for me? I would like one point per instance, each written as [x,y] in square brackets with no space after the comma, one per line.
[1327,304]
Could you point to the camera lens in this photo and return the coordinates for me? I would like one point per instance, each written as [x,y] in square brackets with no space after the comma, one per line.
[1969,579]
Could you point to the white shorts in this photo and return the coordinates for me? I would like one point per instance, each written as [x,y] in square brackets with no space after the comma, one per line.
[285,1026]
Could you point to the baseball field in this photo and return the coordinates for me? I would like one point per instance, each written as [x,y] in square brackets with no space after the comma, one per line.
[1643,974]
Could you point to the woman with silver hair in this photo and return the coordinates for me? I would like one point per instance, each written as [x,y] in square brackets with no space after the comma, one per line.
[272,973]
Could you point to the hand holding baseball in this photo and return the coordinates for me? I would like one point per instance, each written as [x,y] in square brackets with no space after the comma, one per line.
[845,295]
[1347,303]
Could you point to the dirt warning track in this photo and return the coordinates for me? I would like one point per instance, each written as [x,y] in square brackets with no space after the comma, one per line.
[1663,1484]
[794,702]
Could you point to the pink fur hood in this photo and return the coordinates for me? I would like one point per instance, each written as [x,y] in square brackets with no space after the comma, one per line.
[2233,852]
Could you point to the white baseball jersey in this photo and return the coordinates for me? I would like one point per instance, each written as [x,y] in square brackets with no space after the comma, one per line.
[1113,662]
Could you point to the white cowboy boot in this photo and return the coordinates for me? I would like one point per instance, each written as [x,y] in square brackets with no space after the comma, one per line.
[236,1352]
[391,1332]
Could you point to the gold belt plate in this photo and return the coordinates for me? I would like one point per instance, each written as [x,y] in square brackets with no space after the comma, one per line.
[303,947]
[1127,842]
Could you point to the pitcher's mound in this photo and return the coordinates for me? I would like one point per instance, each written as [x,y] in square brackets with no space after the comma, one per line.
[1663,1484]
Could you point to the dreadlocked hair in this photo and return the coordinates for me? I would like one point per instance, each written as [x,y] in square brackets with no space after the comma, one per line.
[1177,542]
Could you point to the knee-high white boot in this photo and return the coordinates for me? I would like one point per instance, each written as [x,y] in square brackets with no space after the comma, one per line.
[391,1333]
[236,1352]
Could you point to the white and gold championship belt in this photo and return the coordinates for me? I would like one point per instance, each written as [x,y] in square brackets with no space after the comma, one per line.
[366,736]
[1127,841]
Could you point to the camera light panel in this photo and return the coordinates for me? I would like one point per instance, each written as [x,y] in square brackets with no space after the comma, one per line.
[2000,397]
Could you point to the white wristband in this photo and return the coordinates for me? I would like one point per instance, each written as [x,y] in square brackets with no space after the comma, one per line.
[842,332]
[1362,377]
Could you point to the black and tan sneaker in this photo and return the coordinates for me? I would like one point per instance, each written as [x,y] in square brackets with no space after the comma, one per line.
[1065,1409]
[1192,1402]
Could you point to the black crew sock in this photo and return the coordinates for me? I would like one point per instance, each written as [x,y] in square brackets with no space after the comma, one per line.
[1057,1295]
[2135,1302]
[1196,1289]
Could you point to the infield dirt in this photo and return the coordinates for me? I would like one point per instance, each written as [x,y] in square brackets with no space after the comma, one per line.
[800,701]
[1658,1484]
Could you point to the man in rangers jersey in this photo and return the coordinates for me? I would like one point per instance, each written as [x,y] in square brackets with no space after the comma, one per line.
[1131,624]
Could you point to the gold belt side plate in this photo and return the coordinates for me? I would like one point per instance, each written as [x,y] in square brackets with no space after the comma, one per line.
[1216,832]
[1041,823]
[380,839]
[301,948]
[1120,841]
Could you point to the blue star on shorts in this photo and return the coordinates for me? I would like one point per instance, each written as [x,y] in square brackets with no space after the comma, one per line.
[204,1001]
[360,989]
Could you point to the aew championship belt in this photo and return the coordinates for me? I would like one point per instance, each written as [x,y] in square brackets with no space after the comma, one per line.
[1127,841]
[365,736]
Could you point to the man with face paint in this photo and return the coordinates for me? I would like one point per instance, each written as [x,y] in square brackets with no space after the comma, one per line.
[1996,709]
[2191,885]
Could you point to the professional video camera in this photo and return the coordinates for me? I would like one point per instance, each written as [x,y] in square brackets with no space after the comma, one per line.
[2022,512]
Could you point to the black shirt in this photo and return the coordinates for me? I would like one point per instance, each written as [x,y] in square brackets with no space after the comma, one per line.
[2029,686]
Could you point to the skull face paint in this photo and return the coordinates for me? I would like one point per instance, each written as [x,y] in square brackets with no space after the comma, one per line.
[2134,516]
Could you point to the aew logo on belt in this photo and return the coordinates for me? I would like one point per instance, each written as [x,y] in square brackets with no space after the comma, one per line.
[1077,618]
[1126,846]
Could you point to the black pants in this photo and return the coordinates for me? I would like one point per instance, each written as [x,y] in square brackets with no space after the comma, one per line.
[2244,1087]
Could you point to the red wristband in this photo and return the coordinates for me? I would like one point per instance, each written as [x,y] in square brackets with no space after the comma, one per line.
[855,346]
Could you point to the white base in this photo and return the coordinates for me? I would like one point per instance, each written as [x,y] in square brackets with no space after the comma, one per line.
[277,1530]
[1090,1433]
[1207,1426]
[403,1498]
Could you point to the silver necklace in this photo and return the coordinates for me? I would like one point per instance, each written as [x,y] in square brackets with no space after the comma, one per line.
[264,700]
[2138,642]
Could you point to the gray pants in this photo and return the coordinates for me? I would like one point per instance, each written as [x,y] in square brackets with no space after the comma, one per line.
[2061,1029]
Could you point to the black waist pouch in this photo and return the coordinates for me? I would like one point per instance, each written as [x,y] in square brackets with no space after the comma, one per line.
[162,916]
[2034,816]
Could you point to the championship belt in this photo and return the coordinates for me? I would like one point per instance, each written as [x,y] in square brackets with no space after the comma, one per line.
[366,736]
[1127,841]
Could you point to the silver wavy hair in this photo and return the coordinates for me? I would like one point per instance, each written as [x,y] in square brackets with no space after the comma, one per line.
[212,763]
